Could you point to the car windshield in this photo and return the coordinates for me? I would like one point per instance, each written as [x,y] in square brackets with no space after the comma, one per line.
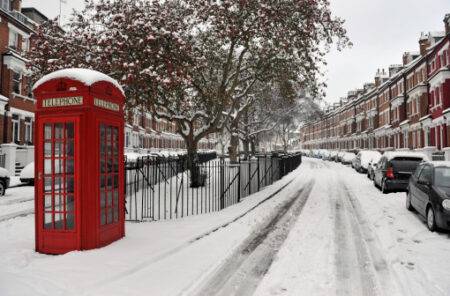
[442,177]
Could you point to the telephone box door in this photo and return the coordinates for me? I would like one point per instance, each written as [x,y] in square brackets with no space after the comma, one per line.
[58,191]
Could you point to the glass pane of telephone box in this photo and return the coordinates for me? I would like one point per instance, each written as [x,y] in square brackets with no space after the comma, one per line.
[48,224]
[69,131]
[70,221]
[47,131]
[47,166]
[48,149]
[70,203]
[59,127]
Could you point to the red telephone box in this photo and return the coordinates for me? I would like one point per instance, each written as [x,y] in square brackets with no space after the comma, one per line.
[79,173]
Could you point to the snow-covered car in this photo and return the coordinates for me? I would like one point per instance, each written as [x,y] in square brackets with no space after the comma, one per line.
[364,158]
[347,157]
[371,166]
[333,155]
[325,154]
[394,169]
[27,174]
[340,155]
[4,181]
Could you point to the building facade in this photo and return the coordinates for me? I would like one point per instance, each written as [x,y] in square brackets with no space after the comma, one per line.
[407,107]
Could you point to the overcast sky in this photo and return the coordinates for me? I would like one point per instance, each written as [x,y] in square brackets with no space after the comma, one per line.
[380,30]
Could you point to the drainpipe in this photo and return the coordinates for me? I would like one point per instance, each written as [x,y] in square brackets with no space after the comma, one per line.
[405,108]
[5,114]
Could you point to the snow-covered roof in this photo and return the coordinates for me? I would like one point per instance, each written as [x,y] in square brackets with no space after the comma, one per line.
[441,163]
[85,76]
[393,154]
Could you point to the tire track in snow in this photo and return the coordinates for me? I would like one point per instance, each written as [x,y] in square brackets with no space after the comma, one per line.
[17,214]
[360,266]
[145,263]
[245,268]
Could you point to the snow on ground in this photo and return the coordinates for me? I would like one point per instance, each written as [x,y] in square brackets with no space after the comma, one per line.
[348,239]
[159,258]
[17,200]
[353,240]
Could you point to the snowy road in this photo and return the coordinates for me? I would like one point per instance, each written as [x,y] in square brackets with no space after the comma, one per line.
[322,230]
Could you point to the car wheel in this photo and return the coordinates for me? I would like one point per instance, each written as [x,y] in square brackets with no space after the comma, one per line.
[431,220]
[384,188]
[408,201]
[2,189]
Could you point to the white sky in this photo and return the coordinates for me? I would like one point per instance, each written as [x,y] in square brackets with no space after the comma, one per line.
[380,30]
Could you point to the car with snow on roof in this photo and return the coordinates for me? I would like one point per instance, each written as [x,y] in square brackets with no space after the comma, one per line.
[394,169]
[4,181]
[364,158]
[27,174]
[428,193]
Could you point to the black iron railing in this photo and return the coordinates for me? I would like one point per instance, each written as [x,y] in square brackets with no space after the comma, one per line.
[160,188]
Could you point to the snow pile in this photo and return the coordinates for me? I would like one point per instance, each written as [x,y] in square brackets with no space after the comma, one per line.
[85,76]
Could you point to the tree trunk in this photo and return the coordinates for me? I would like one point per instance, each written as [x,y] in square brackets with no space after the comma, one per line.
[246,144]
[193,165]
[253,146]
[234,144]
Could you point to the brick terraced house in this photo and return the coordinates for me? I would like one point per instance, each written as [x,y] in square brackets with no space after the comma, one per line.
[407,106]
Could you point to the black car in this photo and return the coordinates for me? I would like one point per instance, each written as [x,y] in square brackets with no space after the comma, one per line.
[394,169]
[429,194]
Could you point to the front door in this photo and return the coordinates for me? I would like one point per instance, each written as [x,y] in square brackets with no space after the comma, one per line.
[57,181]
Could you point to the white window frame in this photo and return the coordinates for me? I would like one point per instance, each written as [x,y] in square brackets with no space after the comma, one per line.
[13,39]
[15,127]
[29,131]
[5,4]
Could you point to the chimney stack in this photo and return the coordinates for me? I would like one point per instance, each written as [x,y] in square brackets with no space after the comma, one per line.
[447,23]
[424,43]
[394,69]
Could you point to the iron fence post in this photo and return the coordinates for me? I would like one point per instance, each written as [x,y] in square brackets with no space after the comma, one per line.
[258,173]
[222,183]
[249,176]
[239,182]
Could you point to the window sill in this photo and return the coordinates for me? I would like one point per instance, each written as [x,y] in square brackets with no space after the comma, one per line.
[26,98]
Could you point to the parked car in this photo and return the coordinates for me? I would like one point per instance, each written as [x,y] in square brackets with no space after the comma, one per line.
[339,156]
[394,169]
[429,194]
[27,174]
[4,181]
[363,158]
[371,166]
[333,155]
[348,157]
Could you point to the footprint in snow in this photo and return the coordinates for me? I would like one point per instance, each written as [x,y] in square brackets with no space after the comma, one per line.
[417,241]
